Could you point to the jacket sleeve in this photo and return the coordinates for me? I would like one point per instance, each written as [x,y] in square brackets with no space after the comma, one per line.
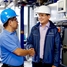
[29,43]
[57,48]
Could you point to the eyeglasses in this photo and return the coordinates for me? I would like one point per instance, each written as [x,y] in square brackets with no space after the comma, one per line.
[13,19]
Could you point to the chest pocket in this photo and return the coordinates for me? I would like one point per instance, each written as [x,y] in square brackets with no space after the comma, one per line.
[35,36]
[50,35]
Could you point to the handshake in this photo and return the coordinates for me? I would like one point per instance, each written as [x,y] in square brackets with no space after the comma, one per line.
[31,51]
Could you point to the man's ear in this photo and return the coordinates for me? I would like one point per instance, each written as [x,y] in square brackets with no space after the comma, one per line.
[9,22]
[48,16]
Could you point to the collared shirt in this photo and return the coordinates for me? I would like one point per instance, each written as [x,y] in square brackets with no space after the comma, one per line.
[43,32]
[8,43]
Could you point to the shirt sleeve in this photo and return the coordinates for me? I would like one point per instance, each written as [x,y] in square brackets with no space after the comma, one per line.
[57,49]
[9,44]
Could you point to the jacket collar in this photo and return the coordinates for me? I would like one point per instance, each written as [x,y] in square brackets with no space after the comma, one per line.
[51,25]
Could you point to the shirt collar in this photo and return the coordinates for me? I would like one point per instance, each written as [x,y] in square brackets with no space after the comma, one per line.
[47,25]
[7,32]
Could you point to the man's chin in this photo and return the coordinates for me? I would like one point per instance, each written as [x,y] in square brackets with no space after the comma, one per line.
[42,23]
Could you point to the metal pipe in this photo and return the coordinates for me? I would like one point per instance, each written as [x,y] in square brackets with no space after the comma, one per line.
[2,5]
[10,5]
[8,2]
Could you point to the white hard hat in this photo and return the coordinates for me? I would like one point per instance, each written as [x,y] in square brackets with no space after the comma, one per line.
[43,9]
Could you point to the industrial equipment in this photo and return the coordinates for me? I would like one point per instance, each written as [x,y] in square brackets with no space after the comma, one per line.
[63,33]
[62,6]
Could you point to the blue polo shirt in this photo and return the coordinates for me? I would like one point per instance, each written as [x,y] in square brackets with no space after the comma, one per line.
[8,43]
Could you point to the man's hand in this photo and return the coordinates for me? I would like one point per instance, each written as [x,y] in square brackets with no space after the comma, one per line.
[53,66]
[31,52]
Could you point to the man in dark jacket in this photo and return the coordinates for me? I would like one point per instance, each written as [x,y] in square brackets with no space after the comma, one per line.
[45,40]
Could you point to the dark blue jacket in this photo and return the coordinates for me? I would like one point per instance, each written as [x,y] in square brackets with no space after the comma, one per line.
[51,44]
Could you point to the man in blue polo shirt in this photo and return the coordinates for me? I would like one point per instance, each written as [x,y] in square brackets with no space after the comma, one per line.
[11,52]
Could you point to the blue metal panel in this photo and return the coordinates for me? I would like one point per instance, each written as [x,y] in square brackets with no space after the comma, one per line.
[7,0]
[31,1]
[22,26]
[55,1]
